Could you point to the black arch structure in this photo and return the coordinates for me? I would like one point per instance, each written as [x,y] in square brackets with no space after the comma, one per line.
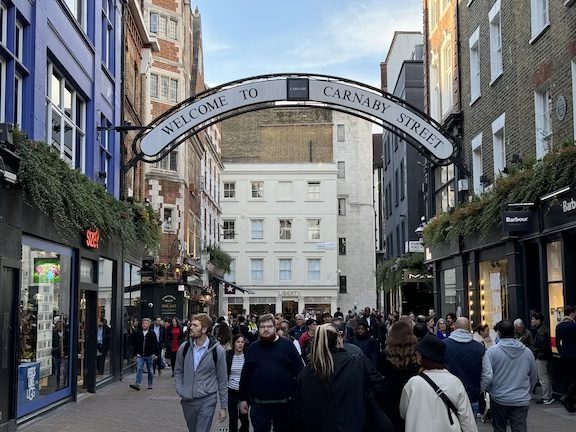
[199,112]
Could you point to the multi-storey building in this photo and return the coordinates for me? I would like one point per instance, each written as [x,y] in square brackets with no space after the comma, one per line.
[279,226]
[139,45]
[517,79]
[60,83]
[403,170]
[318,136]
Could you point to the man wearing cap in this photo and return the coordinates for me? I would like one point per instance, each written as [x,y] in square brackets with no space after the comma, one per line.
[435,400]
[509,374]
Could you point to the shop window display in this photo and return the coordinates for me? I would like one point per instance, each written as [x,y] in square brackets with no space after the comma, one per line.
[131,309]
[44,350]
[104,332]
[555,287]
[493,291]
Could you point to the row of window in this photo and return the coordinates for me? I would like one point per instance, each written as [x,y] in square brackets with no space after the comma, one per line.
[399,189]
[163,26]
[285,270]
[284,190]
[164,88]
[396,240]
[284,229]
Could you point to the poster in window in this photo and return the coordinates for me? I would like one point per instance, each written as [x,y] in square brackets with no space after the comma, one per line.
[496,289]
[46,270]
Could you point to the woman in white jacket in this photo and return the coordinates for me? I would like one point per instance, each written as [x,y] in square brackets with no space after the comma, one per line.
[423,407]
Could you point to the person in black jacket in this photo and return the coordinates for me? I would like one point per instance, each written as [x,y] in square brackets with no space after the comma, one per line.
[566,344]
[160,331]
[145,348]
[330,391]
[234,364]
[371,321]
[366,343]
[269,379]
[542,350]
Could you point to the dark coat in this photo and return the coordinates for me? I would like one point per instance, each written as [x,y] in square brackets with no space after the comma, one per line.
[566,338]
[394,381]
[145,346]
[336,406]
[464,360]
[542,349]
[369,347]
[373,326]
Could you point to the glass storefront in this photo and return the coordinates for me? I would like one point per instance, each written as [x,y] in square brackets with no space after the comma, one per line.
[130,309]
[493,291]
[45,329]
[104,332]
[555,287]
[262,305]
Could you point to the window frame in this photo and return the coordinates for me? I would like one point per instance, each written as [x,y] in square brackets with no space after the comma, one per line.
[254,270]
[496,60]
[257,192]
[313,194]
[3,24]
[477,163]
[499,144]
[229,190]
[172,226]
[342,204]
[284,274]
[539,18]
[254,230]
[447,76]
[285,232]
[310,270]
[341,169]
[543,114]
[230,229]
[475,79]
[77,115]
[311,230]
[342,245]
[340,133]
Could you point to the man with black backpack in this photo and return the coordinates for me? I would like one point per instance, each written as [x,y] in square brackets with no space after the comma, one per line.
[201,376]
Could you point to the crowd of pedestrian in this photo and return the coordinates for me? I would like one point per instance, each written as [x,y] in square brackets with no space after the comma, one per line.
[359,372]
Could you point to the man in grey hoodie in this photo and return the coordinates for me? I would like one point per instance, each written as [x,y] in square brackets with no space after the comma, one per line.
[509,374]
[201,375]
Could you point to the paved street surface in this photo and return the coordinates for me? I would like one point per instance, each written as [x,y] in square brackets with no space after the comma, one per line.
[117,408]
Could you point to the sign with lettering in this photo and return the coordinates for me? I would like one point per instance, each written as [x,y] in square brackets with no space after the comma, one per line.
[418,129]
[560,210]
[92,238]
[413,246]
[416,276]
[517,221]
[168,305]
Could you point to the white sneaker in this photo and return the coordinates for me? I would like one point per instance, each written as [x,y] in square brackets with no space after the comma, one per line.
[548,401]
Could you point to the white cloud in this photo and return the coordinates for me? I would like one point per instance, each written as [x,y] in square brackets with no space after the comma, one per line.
[363,29]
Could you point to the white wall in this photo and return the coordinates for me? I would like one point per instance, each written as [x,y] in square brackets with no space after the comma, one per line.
[358,225]
[271,209]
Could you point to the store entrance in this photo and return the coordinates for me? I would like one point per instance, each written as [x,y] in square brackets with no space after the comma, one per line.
[86,341]
[290,307]
[8,287]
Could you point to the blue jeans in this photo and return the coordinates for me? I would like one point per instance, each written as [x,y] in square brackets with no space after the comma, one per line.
[140,365]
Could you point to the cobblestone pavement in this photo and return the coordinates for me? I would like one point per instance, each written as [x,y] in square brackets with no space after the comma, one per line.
[117,408]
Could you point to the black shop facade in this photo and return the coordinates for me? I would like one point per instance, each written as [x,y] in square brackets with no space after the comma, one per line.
[519,268]
[68,307]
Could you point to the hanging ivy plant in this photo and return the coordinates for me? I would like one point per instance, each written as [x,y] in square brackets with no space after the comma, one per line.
[75,203]
[220,259]
[525,184]
[391,273]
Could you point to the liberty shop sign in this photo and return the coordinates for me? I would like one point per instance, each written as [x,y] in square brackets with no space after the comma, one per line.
[195,114]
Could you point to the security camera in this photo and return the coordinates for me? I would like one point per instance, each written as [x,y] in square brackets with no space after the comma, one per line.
[150,305]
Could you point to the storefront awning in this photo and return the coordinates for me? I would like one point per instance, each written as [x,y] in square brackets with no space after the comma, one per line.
[231,288]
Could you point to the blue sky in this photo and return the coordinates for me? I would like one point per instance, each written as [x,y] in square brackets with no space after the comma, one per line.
[346,38]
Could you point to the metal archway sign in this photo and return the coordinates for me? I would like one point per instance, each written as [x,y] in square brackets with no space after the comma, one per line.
[260,92]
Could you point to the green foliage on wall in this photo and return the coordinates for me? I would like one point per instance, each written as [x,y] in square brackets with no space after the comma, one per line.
[75,203]
[527,183]
[220,258]
[391,273]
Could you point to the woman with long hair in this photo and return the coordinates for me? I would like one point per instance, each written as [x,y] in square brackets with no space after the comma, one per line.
[235,363]
[398,364]
[331,389]
[174,338]
[224,336]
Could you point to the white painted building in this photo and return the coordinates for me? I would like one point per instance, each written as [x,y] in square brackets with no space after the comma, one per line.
[279,224]
[356,225]
[211,171]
